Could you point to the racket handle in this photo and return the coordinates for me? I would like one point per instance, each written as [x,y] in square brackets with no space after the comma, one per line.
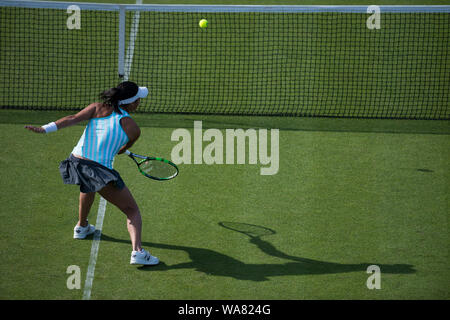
[127,152]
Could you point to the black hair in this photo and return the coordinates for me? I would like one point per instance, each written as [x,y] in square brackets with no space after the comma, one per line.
[124,90]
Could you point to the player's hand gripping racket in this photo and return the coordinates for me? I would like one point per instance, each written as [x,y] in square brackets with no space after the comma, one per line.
[153,167]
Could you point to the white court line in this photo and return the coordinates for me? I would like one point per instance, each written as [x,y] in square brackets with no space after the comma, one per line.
[102,204]
[94,249]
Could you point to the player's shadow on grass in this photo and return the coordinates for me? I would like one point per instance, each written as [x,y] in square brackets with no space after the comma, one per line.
[215,263]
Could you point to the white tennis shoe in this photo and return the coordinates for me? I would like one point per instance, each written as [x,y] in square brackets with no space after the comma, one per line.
[82,232]
[143,257]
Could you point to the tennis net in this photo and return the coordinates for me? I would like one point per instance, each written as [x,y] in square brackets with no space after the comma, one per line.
[319,61]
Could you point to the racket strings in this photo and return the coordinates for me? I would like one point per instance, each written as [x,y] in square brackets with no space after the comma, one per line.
[157,168]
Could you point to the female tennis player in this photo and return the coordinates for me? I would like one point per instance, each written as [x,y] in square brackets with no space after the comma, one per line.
[110,131]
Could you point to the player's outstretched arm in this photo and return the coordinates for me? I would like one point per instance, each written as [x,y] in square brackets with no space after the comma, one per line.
[67,121]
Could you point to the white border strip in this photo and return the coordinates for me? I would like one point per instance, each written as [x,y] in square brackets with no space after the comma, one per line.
[228,8]
[286,8]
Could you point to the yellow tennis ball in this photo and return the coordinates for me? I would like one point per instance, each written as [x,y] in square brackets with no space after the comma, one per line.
[203,23]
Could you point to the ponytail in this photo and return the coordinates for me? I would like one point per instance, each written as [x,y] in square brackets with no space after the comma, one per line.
[123,91]
[111,97]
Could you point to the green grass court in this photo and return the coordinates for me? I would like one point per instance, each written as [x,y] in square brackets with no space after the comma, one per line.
[349,193]
[341,200]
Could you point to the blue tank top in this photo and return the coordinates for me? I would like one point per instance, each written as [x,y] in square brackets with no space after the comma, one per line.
[102,139]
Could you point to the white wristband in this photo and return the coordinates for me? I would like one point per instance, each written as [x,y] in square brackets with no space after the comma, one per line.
[50,127]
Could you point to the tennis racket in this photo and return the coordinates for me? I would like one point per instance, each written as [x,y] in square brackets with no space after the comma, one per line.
[153,167]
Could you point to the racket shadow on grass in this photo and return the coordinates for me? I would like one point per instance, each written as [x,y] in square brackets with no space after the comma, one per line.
[214,263]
